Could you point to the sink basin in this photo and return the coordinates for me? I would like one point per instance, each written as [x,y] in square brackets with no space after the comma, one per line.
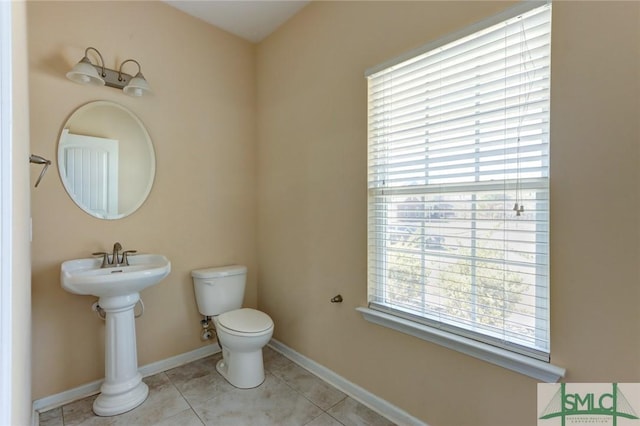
[84,276]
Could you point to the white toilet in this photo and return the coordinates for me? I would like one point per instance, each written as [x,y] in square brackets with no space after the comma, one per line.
[242,332]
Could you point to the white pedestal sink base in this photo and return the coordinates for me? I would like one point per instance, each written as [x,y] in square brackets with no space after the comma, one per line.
[122,389]
[111,405]
[118,288]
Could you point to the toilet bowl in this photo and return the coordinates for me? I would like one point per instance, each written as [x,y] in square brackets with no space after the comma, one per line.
[242,332]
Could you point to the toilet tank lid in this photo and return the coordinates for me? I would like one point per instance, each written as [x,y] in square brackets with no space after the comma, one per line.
[219,271]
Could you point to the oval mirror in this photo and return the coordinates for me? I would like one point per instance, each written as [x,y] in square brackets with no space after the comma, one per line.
[106,160]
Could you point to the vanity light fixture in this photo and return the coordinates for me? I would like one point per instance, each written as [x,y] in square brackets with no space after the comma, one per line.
[86,72]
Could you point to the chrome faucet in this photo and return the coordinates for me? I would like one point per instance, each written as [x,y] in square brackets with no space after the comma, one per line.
[116,259]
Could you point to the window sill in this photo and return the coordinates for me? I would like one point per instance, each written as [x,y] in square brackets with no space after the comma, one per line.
[540,370]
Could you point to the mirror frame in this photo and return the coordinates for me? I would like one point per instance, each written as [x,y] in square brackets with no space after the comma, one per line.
[145,140]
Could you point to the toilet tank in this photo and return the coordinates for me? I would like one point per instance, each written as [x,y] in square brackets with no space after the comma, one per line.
[219,289]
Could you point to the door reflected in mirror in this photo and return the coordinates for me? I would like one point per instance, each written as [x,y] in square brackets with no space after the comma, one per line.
[106,160]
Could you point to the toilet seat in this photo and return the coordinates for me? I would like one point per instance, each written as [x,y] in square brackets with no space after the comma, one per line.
[245,321]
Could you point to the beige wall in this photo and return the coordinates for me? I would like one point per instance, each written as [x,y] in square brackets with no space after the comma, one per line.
[312,203]
[202,209]
[309,167]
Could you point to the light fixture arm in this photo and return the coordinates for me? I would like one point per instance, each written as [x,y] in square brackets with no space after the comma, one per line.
[122,65]
[86,59]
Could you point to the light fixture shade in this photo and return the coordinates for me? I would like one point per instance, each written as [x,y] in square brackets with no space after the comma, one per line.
[85,73]
[137,86]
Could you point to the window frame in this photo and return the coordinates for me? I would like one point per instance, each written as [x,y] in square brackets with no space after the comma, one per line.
[528,364]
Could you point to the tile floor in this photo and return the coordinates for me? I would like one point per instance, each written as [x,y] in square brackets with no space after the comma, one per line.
[195,394]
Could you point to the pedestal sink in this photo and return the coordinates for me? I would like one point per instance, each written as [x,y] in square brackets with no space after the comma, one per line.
[118,289]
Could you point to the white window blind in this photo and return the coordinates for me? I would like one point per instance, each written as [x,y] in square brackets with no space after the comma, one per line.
[458,192]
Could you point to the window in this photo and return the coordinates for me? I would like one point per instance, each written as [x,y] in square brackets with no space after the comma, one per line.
[458,184]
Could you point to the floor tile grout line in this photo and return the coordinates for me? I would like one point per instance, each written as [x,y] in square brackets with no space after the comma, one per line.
[320,415]
[308,399]
[182,395]
[297,392]
[316,377]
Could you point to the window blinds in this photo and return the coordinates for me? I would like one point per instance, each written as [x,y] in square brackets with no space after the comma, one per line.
[458,167]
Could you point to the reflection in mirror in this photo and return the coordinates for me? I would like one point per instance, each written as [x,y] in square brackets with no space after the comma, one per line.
[106,160]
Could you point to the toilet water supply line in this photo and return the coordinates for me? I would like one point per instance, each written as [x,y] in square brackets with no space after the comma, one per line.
[209,329]
[102,314]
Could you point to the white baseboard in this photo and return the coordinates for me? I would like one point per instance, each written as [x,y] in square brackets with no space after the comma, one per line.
[62,398]
[361,395]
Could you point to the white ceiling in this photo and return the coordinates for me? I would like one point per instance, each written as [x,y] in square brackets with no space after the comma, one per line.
[252,20]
